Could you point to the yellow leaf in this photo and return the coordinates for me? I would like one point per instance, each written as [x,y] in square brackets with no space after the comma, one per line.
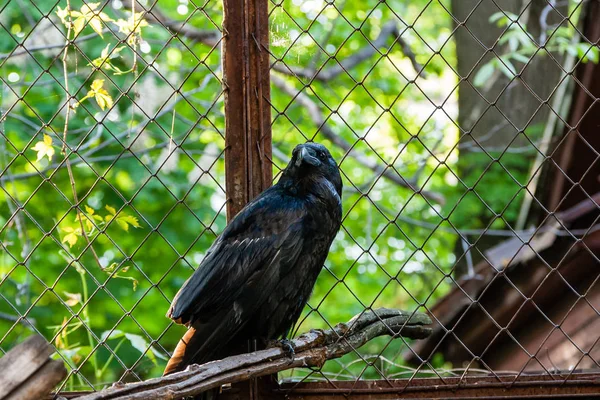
[72,298]
[100,94]
[88,218]
[93,17]
[104,54]
[70,238]
[97,85]
[127,220]
[72,235]
[62,336]
[123,224]
[44,148]
[89,7]
[78,25]
[104,60]
[132,27]
[104,100]
[62,14]
[88,223]
[96,25]
[111,210]
[110,268]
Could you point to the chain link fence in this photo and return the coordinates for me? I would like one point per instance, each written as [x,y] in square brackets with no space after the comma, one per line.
[465,132]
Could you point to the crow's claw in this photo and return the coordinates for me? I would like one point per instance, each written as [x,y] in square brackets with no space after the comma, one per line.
[288,347]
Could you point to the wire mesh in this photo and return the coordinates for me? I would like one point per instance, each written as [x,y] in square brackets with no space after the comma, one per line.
[112,175]
[455,125]
[447,119]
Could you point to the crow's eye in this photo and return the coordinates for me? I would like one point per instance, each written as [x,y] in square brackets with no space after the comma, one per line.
[321,154]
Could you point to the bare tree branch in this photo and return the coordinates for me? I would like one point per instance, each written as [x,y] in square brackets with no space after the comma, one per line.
[211,38]
[312,349]
[153,15]
[390,29]
[61,46]
[318,119]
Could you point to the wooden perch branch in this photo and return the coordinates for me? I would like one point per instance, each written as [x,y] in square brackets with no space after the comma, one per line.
[316,115]
[312,349]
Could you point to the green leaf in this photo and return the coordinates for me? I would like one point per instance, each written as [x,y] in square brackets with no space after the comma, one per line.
[586,52]
[141,345]
[483,74]
[520,57]
[106,335]
[507,67]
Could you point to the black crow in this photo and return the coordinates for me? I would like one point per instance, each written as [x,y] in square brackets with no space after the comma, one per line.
[258,275]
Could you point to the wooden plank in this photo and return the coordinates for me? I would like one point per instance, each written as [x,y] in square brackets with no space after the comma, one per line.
[41,383]
[246,81]
[21,362]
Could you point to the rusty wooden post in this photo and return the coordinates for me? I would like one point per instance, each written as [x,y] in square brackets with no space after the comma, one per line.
[247,107]
[246,81]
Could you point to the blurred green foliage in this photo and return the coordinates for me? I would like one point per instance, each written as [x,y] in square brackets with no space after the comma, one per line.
[149,173]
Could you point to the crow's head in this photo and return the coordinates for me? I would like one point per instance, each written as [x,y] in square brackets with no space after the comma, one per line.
[313,161]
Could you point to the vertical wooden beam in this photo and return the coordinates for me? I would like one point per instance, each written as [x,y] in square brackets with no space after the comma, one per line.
[247,107]
[246,81]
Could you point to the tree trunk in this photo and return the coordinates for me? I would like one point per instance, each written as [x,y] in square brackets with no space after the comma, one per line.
[501,114]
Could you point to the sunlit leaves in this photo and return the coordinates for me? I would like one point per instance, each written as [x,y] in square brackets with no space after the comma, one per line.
[132,27]
[72,235]
[104,61]
[44,148]
[100,94]
[94,222]
[123,220]
[90,217]
[520,46]
[87,14]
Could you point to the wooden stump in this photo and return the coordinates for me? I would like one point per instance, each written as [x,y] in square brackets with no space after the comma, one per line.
[27,372]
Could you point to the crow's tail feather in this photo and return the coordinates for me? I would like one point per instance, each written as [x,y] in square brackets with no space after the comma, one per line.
[181,357]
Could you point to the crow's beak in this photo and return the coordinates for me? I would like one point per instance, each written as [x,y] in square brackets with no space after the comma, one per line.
[307,156]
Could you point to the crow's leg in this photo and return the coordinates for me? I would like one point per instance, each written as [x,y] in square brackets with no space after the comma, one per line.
[286,345]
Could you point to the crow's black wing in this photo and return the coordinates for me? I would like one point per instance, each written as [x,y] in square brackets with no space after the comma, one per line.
[258,246]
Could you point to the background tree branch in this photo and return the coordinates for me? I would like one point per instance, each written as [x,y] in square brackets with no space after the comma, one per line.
[318,119]
[312,349]
[389,29]
[154,15]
